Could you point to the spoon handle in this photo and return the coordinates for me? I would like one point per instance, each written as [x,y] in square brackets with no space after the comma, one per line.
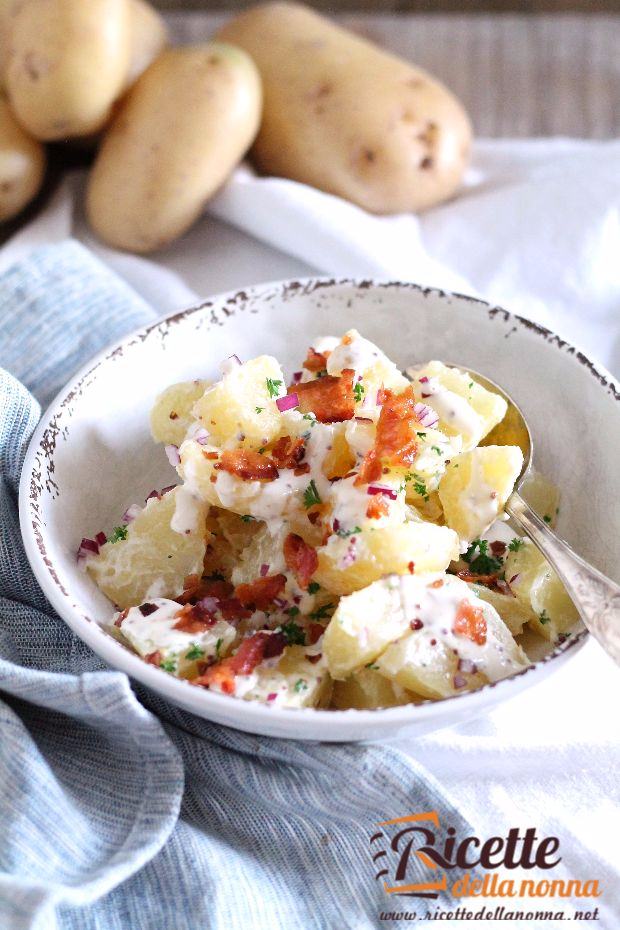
[596,597]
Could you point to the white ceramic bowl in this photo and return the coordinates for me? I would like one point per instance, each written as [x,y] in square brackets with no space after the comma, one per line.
[92,455]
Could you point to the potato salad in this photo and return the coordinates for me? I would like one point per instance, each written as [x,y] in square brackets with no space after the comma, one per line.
[335,537]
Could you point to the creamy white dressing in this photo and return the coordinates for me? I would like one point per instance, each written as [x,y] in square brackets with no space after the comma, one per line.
[452,409]
[359,354]
[156,632]
[437,607]
[187,511]
[480,500]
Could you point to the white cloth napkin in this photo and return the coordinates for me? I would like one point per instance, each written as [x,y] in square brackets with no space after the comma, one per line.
[537,229]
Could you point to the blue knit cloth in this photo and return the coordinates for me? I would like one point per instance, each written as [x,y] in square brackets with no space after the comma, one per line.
[118,810]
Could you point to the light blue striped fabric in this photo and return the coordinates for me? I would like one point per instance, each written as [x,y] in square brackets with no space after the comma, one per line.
[117,810]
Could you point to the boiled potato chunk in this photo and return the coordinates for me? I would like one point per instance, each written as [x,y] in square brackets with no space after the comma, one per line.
[347,117]
[476,486]
[463,406]
[153,560]
[542,495]
[346,566]
[367,690]
[67,64]
[413,663]
[363,625]
[241,407]
[171,415]
[293,682]
[513,611]
[179,651]
[22,165]
[538,587]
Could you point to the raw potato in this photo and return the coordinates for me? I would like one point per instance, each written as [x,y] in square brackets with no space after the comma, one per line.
[346,117]
[22,165]
[181,130]
[67,63]
[147,37]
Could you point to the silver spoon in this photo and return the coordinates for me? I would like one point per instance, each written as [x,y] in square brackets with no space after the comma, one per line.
[596,597]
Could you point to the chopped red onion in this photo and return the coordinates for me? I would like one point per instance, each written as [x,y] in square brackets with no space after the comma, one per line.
[423,380]
[336,525]
[201,436]
[459,681]
[426,416]
[381,489]
[514,578]
[272,696]
[287,403]
[379,400]
[172,453]
[169,487]
[467,666]
[152,495]
[131,513]
[504,587]
[264,570]
[101,539]
[88,546]
[280,602]
[297,376]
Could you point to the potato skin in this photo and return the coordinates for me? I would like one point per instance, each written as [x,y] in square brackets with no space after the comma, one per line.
[181,130]
[67,61]
[22,165]
[346,117]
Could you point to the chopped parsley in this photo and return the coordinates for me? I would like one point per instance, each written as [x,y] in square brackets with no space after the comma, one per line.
[194,652]
[480,562]
[421,435]
[436,449]
[471,384]
[168,665]
[273,387]
[301,685]
[218,646]
[544,618]
[358,391]
[515,544]
[295,636]
[371,665]
[311,495]
[345,533]
[259,409]
[118,533]
[547,518]
[247,518]
[309,416]
[420,488]
[313,587]
[292,611]
[322,612]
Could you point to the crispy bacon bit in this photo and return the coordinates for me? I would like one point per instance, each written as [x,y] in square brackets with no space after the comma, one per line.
[288,452]
[302,469]
[147,609]
[251,466]
[347,339]
[377,507]
[250,653]
[232,610]
[195,588]
[498,547]
[173,415]
[490,581]
[119,620]
[330,399]
[314,633]
[316,361]
[194,619]
[470,622]
[300,558]
[438,583]
[411,567]
[154,658]
[212,456]
[260,594]
[395,440]
[313,516]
